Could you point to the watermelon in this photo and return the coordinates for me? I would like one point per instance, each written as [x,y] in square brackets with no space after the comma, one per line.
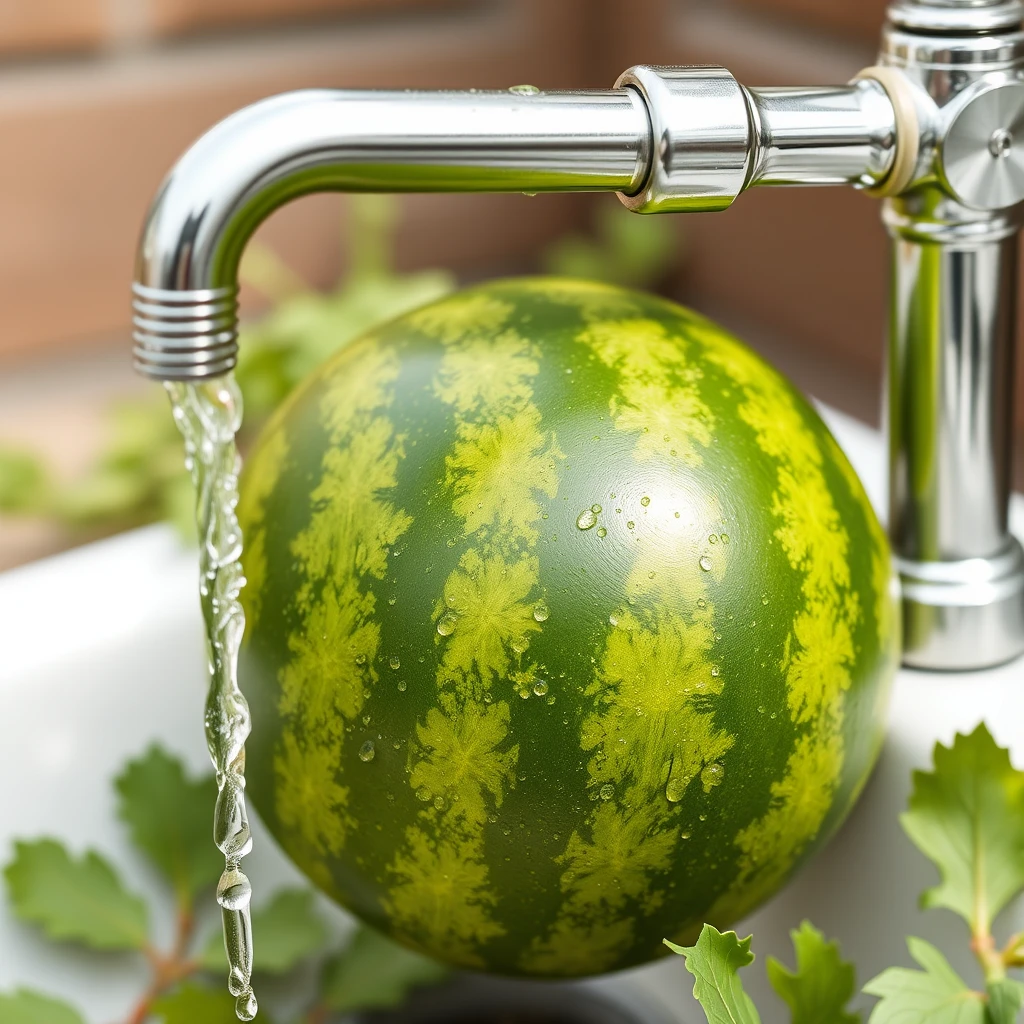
[569,628]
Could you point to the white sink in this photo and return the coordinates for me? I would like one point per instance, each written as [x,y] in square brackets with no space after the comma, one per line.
[102,655]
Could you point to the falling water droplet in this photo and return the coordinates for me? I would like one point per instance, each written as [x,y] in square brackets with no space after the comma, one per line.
[586,520]
[541,612]
[446,624]
[367,752]
[607,791]
[540,688]
[705,563]
[246,1006]
[233,890]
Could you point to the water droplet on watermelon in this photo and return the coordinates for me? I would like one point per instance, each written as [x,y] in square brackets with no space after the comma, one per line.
[684,835]
[439,803]
[402,686]
[391,601]
[630,524]
[712,775]
[675,789]
[713,539]
[725,538]
[423,794]
[645,501]
[395,662]
[367,752]
[551,699]
[586,520]
[602,532]
[705,563]
[764,599]
[540,688]
[446,624]
[715,670]
[521,644]
[607,791]
[541,612]
[596,509]
[760,709]
[524,90]
[360,659]
[701,603]
[613,619]
[703,817]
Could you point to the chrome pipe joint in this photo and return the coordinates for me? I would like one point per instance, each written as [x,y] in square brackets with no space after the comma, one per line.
[936,130]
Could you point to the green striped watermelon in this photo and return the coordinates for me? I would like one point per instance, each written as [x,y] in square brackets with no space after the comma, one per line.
[570,627]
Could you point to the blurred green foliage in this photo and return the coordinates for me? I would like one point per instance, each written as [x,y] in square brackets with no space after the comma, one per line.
[140,478]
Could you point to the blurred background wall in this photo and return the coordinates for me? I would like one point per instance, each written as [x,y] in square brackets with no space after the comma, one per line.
[98,97]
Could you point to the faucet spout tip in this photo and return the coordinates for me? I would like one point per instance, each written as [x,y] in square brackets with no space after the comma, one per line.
[184,335]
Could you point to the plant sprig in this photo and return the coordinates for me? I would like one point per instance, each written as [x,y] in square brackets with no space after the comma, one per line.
[967,816]
[82,899]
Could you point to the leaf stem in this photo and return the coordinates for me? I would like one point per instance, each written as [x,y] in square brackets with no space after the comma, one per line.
[993,962]
[168,969]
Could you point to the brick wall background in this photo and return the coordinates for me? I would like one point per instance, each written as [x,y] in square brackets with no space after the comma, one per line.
[97,98]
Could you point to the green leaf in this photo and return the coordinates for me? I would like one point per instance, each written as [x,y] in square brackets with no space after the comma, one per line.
[82,900]
[193,1004]
[170,817]
[288,929]
[1004,1000]
[27,1007]
[823,983]
[714,963]
[968,817]
[936,995]
[373,973]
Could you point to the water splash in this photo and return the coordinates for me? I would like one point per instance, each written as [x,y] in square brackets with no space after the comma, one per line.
[208,414]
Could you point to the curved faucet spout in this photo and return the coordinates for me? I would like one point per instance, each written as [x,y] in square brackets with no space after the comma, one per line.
[666,139]
[278,149]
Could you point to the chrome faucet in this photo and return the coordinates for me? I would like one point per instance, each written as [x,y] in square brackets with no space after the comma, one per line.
[936,130]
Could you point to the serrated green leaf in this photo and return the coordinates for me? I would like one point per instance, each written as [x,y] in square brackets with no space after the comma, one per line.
[715,962]
[1005,997]
[170,818]
[374,973]
[288,929]
[27,1007]
[82,900]
[823,983]
[194,1004]
[968,817]
[935,995]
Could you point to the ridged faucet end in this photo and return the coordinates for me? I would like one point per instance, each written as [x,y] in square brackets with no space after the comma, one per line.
[184,335]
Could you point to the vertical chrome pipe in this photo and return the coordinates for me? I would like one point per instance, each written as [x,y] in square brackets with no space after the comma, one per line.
[952,336]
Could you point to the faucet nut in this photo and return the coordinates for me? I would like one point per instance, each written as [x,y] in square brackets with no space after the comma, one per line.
[702,138]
